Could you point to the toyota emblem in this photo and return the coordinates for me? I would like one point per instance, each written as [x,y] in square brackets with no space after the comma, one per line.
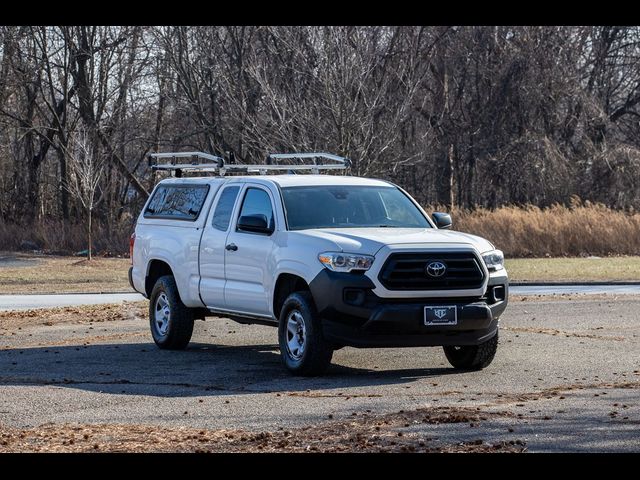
[436,269]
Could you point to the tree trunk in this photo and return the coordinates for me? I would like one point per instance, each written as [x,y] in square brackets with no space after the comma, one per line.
[64,193]
[89,236]
[442,115]
[449,177]
[470,200]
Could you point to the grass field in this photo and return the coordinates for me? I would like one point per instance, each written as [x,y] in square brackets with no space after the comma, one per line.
[573,269]
[27,273]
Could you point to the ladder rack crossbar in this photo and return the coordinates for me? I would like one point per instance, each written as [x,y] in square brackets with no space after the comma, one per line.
[205,162]
[328,156]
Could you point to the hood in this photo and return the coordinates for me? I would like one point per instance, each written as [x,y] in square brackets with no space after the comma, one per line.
[370,240]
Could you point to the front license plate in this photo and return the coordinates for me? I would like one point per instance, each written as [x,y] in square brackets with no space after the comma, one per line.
[440,315]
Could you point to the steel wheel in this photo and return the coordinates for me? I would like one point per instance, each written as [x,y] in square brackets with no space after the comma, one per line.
[162,315]
[303,349]
[296,335]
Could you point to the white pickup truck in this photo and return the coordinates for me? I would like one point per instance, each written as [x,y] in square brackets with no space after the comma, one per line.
[330,260]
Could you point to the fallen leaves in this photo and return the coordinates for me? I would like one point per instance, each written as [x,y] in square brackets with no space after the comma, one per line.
[364,433]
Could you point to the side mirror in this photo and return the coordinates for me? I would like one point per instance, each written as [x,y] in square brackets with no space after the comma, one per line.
[443,220]
[256,223]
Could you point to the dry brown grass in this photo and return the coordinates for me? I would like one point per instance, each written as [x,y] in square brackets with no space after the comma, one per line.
[579,230]
[587,269]
[52,274]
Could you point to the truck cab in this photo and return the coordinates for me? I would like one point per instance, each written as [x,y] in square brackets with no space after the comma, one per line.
[330,260]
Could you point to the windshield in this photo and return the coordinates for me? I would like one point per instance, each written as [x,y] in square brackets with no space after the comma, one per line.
[351,207]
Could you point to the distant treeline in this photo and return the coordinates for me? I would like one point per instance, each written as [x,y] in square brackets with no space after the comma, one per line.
[462,116]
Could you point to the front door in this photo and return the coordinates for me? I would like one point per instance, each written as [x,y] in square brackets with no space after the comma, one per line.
[246,256]
[212,248]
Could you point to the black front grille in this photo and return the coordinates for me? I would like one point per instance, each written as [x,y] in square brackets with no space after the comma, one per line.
[408,271]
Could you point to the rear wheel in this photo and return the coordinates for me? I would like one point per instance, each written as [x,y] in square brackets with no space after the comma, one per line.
[170,320]
[472,357]
[303,349]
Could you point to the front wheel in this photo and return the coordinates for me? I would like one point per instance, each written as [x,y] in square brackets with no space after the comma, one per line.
[303,349]
[171,321]
[472,357]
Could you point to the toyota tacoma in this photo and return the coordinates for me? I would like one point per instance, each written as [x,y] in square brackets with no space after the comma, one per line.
[330,260]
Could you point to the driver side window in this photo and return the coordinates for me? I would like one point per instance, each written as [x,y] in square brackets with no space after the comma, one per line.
[257,202]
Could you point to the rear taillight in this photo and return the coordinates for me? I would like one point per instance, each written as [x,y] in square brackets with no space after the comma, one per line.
[132,241]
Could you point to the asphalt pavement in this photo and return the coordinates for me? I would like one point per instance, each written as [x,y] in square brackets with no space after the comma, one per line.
[566,378]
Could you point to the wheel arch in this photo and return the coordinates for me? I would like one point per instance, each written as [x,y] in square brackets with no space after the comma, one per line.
[286,284]
[156,268]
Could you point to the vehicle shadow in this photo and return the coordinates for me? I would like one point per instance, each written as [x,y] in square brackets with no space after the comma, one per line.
[201,369]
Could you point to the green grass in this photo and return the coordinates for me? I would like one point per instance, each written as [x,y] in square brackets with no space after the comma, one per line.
[573,269]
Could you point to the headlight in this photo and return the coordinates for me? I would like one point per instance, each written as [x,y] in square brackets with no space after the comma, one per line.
[345,262]
[494,260]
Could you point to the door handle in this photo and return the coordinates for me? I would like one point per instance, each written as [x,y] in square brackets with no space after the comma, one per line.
[232,247]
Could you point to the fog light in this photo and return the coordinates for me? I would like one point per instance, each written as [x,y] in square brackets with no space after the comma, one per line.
[353,296]
[498,293]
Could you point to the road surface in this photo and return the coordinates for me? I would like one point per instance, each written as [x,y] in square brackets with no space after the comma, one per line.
[566,378]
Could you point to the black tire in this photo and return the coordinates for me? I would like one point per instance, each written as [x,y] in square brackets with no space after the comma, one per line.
[472,357]
[176,333]
[315,355]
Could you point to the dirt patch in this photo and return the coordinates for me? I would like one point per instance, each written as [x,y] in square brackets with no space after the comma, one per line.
[583,297]
[365,433]
[559,390]
[18,319]
[562,333]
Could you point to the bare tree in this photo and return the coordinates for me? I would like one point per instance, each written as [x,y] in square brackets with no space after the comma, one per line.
[461,115]
[86,169]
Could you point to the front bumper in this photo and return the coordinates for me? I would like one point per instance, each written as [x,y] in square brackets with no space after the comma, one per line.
[353,315]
